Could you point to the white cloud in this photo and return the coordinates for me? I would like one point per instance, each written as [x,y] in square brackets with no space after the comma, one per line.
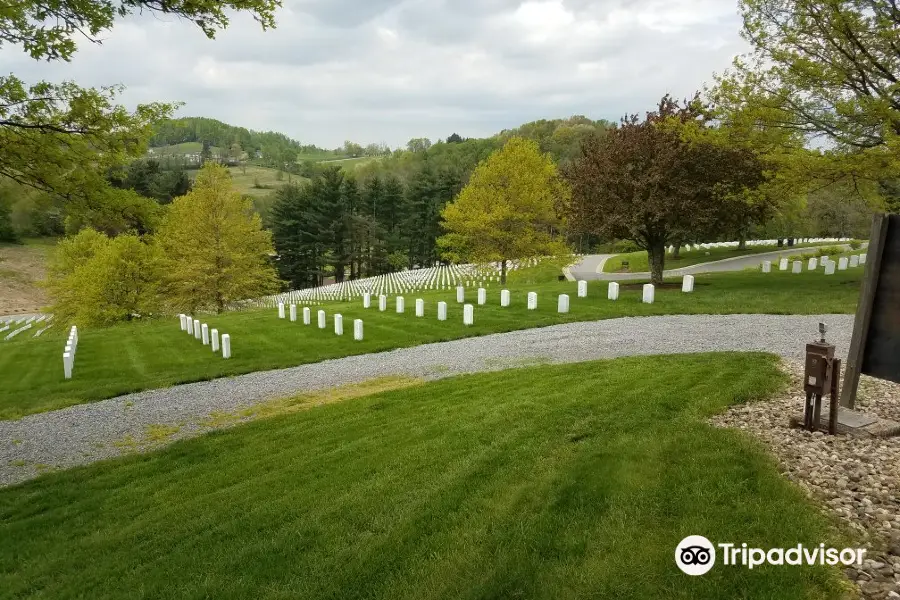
[389,70]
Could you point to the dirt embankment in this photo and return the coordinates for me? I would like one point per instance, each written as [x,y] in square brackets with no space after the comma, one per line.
[21,268]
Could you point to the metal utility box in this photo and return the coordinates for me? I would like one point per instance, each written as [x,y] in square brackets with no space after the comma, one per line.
[817,375]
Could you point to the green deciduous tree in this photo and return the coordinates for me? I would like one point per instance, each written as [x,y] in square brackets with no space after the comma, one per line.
[648,182]
[62,138]
[214,249]
[94,280]
[508,210]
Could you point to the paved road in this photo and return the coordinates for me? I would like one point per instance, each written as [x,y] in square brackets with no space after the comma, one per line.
[591,266]
[90,432]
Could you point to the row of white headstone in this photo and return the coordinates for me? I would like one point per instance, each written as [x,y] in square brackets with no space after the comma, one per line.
[207,337]
[322,320]
[707,246]
[814,263]
[28,322]
[69,352]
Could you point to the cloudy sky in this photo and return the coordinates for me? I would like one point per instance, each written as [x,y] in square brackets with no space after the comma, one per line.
[389,70]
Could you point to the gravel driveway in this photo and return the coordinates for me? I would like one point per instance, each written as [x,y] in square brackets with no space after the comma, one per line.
[90,432]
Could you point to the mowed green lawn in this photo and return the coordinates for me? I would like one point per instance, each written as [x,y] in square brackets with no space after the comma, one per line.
[556,482]
[638,262]
[139,356]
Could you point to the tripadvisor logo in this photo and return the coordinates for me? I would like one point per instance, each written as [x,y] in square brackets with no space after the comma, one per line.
[696,555]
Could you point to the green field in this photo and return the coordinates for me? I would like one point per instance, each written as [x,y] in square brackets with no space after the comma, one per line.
[138,356]
[638,262]
[245,179]
[184,148]
[557,482]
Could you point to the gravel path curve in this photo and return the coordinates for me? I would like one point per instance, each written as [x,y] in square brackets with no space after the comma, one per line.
[89,432]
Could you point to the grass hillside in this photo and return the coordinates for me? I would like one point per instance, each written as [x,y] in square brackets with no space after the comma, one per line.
[22,266]
[246,178]
[573,481]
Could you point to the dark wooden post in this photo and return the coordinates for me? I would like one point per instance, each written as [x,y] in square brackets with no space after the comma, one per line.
[864,310]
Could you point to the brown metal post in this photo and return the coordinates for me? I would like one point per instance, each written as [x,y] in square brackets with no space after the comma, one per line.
[835,403]
[864,309]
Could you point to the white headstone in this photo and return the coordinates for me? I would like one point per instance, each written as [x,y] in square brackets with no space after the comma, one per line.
[783,264]
[687,284]
[204,334]
[307,315]
[293,313]
[582,289]
[649,293]
[281,310]
[468,314]
[183,320]
[190,325]
[367,300]
[813,264]
[401,304]
[382,303]
[504,297]
[532,300]
[215,340]
[862,259]
[460,294]
[226,346]
[357,330]
[196,329]
[823,260]
[322,323]
[767,266]
[612,292]
[797,267]
[842,263]
[562,305]
[67,365]
[829,267]
[420,307]
[482,296]
[854,261]
[338,324]
[442,311]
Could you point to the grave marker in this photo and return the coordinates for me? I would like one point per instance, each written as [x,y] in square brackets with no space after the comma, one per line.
[190,325]
[442,311]
[382,303]
[401,304]
[182,318]
[226,346]
[358,330]
[562,305]
[612,292]
[783,264]
[687,284]
[460,294]
[367,300]
[813,264]
[215,340]
[196,329]
[420,307]
[829,267]
[854,261]
[468,314]
[204,334]
[321,317]
[338,324]
[649,293]
[842,263]
[67,365]
[281,310]
[532,300]
[307,315]
[582,289]
[797,267]
[482,296]
[293,313]
[504,297]
[767,266]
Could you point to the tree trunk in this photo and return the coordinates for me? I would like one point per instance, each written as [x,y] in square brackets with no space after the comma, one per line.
[503,272]
[657,254]
[676,254]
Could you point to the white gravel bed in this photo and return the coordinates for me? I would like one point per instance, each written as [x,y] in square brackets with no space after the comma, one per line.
[854,478]
[90,432]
